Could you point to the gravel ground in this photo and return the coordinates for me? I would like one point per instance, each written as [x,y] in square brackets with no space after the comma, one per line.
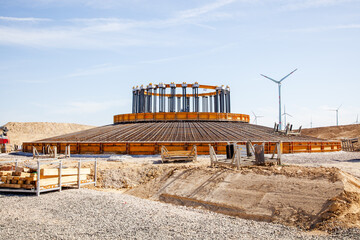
[90,214]
[346,161]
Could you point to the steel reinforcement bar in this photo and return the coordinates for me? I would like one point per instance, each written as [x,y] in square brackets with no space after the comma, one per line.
[151,148]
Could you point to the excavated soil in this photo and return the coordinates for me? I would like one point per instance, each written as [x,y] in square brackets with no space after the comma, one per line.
[311,198]
[20,132]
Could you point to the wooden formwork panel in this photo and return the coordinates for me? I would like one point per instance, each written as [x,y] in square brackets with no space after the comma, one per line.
[132,117]
[170,116]
[213,116]
[159,116]
[202,148]
[89,148]
[118,148]
[181,116]
[204,116]
[140,149]
[148,116]
[162,116]
[192,116]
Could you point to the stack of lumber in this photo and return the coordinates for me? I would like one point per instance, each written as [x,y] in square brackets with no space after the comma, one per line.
[49,177]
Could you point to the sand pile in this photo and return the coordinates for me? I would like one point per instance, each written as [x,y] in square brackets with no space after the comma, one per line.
[20,132]
[306,197]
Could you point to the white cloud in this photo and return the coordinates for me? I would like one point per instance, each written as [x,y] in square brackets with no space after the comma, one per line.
[29,19]
[78,38]
[327,28]
[195,12]
[109,33]
[304,4]
[98,69]
[85,107]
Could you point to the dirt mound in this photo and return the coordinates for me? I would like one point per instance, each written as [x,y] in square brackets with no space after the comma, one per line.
[20,132]
[334,132]
[306,197]
[310,198]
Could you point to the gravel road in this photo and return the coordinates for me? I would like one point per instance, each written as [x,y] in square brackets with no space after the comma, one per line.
[89,214]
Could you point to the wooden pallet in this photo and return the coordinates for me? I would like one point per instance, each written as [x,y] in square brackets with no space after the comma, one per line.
[172,156]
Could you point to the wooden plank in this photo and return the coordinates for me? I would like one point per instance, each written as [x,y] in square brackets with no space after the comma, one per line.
[67,179]
[9,185]
[5,173]
[23,174]
[27,186]
[64,171]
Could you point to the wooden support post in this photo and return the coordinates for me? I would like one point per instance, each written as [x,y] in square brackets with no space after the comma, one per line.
[38,179]
[79,170]
[55,152]
[259,155]
[101,148]
[279,152]
[248,149]
[60,175]
[95,171]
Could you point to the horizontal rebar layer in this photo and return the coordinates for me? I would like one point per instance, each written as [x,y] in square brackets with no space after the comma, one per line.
[148,137]
[181,116]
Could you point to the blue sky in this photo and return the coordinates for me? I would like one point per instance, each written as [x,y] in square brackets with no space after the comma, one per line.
[77,60]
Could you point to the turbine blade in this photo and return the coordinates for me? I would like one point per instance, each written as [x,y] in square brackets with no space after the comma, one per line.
[339,107]
[287,75]
[269,78]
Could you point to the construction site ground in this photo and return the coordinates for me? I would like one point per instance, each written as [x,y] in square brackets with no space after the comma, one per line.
[311,196]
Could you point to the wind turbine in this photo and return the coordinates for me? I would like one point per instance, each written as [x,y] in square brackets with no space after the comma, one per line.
[279,85]
[357,119]
[284,114]
[337,114]
[256,117]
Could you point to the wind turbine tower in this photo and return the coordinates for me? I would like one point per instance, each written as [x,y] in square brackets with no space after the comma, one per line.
[279,86]
[337,114]
[285,114]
